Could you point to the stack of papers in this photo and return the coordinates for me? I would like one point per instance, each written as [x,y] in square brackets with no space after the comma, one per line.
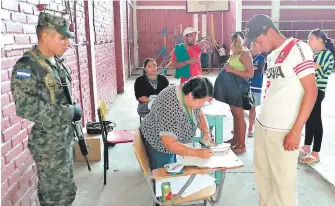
[221,148]
[227,160]
[173,167]
[200,182]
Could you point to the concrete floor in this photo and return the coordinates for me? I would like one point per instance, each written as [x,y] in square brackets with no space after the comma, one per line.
[126,186]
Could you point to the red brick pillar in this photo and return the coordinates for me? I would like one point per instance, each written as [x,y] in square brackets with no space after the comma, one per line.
[118,48]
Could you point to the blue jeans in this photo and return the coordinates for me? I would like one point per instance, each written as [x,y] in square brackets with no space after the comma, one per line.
[158,159]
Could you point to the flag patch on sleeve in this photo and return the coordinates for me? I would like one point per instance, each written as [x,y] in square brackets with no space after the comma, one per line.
[23,74]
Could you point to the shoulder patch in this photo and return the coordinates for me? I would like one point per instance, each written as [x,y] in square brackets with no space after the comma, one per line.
[23,73]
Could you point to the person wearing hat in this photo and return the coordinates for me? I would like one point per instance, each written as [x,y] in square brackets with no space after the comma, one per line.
[40,98]
[186,56]
[290,95]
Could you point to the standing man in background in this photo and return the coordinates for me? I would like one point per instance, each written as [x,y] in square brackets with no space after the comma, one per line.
[223,55]
[186,56]
[40,97]
[256,84]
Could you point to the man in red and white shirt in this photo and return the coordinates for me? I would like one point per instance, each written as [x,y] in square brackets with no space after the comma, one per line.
[194,49]
[290,95]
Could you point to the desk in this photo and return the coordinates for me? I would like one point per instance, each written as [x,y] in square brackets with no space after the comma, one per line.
[215,114]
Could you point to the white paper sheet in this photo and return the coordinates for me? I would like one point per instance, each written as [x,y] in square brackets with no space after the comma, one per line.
[225,160]
[216,108]
[152,98]
[200,182]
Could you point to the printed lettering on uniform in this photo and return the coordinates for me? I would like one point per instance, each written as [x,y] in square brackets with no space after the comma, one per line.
[301,52]
[275,72]
[23,74]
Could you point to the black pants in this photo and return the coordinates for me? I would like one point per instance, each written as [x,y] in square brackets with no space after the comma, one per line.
[313,128]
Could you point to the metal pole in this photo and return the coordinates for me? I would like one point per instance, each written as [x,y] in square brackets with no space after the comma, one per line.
[210,42]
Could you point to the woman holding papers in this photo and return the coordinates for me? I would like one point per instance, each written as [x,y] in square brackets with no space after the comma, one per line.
[148,86]
[174,118]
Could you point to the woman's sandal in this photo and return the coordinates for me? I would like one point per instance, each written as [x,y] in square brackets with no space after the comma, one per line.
[309,159]
[302,153]
[238,149]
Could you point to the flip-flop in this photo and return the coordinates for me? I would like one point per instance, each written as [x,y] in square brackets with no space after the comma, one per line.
[309,159]
[302,153]
[250,135]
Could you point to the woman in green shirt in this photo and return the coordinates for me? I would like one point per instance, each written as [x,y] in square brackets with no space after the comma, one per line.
[324,63]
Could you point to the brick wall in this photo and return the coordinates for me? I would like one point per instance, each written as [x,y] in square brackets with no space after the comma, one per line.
[229,23]
[124,24]
[81,87]
[18,21]
[131,38]
[295,21]
[105,50]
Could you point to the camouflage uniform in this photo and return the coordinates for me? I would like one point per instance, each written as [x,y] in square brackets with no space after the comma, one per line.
[52,137]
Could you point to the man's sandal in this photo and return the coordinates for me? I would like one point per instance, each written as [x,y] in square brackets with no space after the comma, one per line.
[309,159]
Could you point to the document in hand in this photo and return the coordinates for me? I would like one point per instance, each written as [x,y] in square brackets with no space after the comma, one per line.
[151,100]
[227,160]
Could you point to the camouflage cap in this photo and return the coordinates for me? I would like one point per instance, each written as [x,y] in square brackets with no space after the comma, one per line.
[59,23]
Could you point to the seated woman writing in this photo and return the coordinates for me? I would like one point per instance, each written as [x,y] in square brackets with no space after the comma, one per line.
[148,86]
[174,118]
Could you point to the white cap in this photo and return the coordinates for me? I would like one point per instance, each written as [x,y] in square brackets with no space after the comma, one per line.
[189,30]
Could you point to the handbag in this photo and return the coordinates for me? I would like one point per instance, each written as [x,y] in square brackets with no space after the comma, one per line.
[248,99]
[95,127]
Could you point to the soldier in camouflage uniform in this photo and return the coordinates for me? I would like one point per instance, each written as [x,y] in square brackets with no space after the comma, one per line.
[40,98]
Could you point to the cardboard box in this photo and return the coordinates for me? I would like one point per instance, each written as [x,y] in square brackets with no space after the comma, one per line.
[94,147]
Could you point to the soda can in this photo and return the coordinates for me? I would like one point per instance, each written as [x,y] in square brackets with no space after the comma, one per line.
[166,192]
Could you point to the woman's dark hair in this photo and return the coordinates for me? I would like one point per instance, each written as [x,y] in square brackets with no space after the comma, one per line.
[327,41]
[199,87]
[145,63]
